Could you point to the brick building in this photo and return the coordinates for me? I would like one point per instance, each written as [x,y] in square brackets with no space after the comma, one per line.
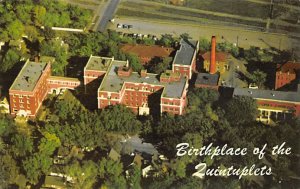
[218,58]
[147,52]
[286,74]
[185,59]
[32,85]
[210,80]
[94,71]
[142,92]
[29,89]
[273,105]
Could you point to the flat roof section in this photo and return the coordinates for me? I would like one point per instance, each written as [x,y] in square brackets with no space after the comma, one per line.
[174,89]
[97,63]
[184,55]
[113,83]
[29,76]
[268,94]
[207,79]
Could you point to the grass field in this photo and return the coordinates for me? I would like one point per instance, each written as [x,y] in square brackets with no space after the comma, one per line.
[242,8]
[245,13]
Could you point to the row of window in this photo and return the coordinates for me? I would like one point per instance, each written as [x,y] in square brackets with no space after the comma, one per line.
[171,103]
[135,94]
[22,106]
[185,69]
[142,89]
[170,109]
[64,83]
[21,101]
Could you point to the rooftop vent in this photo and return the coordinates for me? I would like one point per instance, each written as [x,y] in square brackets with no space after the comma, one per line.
[272,94]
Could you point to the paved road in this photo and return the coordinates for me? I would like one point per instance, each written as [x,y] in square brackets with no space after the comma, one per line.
[245,38]
[108,14]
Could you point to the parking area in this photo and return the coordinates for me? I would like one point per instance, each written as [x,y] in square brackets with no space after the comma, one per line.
[243,38]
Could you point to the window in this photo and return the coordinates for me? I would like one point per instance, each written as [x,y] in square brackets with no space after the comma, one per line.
[21,101]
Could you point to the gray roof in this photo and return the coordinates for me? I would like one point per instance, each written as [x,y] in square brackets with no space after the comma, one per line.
[29,76]
[184,55]
[98,63]
[268,94]
[113,83]
[207,79]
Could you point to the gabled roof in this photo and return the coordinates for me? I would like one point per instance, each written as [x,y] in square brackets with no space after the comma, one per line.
[220,56]
[147,50]
[289,67]
[184,56]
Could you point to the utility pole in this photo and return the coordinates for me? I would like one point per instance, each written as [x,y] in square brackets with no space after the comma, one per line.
[270,16]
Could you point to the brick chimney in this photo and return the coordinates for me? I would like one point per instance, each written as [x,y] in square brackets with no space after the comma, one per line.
[212,66]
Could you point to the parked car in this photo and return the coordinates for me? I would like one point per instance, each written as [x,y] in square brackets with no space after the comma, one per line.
[125,26]
[130,26]
[119,25]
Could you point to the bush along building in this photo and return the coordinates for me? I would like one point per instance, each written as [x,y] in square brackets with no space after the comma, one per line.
[143,92]
[32,85]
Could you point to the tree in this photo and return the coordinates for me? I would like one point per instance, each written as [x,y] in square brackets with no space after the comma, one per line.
[10,59]
[31,32]
[135,177]
[111,172]
[39,13]
[199,98]
[204,45]
[185,36]
[36,165]
[84,175]
[8,170]
[166,40]
[55,49]
[23,13]
[258,77]
[120,119]
[15,30]
[241,110]
[179,168]
[48,144]
[160,65]
[134,62]
[189,182]
[21,145]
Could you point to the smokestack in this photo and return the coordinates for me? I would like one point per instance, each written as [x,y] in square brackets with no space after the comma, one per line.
[212,67]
